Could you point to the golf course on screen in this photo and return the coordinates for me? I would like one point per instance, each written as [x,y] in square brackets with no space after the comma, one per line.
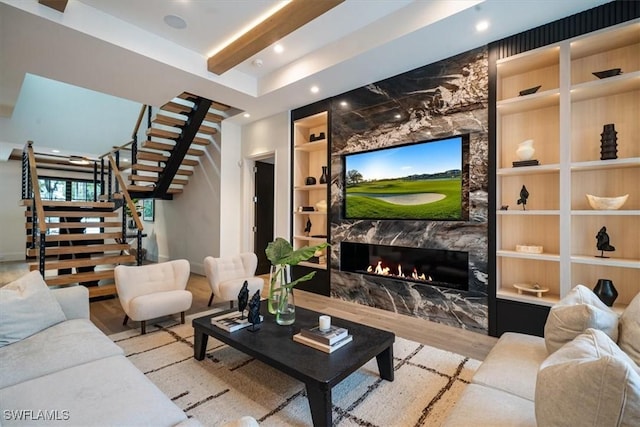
[400,199]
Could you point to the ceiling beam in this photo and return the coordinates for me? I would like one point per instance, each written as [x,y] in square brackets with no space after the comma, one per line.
[58,5]
[286,20]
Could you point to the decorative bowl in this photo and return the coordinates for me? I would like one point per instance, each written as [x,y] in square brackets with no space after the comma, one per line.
[607,73]
[606,203]
[530,90]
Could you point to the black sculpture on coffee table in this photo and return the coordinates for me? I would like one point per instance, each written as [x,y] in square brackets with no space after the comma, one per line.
[603,243]
[524,195]
[243,298]
[254,311]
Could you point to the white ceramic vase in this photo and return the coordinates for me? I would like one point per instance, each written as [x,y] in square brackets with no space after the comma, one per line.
[525,150]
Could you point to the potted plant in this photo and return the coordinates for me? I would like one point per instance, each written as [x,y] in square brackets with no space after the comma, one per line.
[282,257]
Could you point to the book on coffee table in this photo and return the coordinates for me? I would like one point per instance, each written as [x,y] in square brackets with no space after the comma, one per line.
[232,321]
[320,346]
[329,336]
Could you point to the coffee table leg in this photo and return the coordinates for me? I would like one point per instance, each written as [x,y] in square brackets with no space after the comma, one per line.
[199,344]
[385,363]
[320,404]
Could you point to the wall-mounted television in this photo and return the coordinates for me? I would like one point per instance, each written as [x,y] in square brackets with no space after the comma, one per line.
[416,181]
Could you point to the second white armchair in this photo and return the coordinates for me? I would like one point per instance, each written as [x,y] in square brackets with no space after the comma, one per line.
[226,276]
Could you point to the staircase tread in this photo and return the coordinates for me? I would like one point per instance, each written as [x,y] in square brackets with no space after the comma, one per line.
[162,133]
[80,249]
[28,225]
[84,262]
[208,130]
[66,279]
[102,290]
[155,145]
[77,214]
[147,178]
[75,204]
[175,107]
[79,237]
[213,117]
[165,120]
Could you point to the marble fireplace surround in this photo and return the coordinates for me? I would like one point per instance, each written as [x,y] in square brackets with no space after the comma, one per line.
[446,98]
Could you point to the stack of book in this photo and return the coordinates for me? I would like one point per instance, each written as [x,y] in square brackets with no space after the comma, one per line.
[232,321]
[325,340]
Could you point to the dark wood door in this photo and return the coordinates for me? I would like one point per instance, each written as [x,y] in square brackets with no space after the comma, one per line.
[263,213]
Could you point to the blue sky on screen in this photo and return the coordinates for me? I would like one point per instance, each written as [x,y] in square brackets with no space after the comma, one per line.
[431,157]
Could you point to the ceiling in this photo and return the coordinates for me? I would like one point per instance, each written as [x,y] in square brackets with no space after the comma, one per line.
[124,48]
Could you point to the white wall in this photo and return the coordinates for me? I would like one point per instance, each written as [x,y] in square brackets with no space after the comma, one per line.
[265,138]
[231,189]
[12,231]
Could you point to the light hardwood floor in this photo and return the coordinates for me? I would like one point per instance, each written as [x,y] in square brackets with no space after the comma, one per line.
[107,315]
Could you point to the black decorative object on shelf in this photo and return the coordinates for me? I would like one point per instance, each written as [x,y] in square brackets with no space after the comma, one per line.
[254,311]
[324,178]
[243,298]
[603,243]
[504,207]
[609,142]
[313,137]
[307,228]
[608,73]
[524,195]
[606,291]
[310,180]
[529,91]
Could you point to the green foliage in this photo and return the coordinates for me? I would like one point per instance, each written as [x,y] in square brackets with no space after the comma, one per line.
[281,253]
[359,205]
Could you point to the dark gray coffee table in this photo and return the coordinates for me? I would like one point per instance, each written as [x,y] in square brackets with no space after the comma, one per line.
[320,371]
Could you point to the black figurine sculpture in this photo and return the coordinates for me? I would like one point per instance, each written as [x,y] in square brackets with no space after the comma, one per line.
[307,228]
[603,243]
[524,195]
[254,311]
[243,298]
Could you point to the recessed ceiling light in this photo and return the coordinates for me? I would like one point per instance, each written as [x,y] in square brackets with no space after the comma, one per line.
[247,115]
[126,160]
[278,48]
[344,103]
[257,62]
[398,116]
[55,151]
[482,26]
[315,89]
[175,21]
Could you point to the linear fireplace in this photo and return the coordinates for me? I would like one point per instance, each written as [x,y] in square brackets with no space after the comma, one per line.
[436,267]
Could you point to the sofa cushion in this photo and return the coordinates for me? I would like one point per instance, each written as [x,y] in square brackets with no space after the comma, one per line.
[512,364]
[579,310]
[629,336]
[484,406]
[589,381]
[105,392]
[61,346]
[26,307]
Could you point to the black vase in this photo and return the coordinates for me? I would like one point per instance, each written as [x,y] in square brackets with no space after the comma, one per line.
[606,291]
[609,142]
[324,178]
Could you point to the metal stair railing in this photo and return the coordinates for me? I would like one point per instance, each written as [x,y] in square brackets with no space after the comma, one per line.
[39,225]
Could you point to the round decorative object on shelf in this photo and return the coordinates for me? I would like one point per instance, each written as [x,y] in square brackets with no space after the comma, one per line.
[606,291]
[606,203]
[321,206]
[310,180]
[525,150]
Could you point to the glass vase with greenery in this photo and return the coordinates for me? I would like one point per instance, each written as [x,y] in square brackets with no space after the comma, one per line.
[282,257]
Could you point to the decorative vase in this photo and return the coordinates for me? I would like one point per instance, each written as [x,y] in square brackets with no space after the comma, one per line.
[324,178]
[277,276]
[525,150]
[286,308]
[609,142]
[606,291]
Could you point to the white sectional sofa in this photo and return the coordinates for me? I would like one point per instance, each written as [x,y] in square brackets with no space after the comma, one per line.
[57,368]
[576,375]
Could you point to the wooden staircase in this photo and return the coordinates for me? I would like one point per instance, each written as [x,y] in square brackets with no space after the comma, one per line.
[175,142]
[75,255]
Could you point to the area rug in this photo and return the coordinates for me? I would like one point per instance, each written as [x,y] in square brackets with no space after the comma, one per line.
[228,384]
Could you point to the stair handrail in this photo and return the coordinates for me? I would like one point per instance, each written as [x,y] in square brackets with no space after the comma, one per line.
[139,122]
[123,188]
[33,173]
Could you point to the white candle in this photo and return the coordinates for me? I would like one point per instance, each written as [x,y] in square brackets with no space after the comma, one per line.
[325,323]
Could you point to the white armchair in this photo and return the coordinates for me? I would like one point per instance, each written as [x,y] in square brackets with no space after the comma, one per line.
[155,290]
[226,276]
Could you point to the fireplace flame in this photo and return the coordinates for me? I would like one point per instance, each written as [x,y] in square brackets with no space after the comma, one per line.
[381,270]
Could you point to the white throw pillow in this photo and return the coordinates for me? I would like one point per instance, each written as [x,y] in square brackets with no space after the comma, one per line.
[629,338]
[589,381]
[572,315]
[27,306]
